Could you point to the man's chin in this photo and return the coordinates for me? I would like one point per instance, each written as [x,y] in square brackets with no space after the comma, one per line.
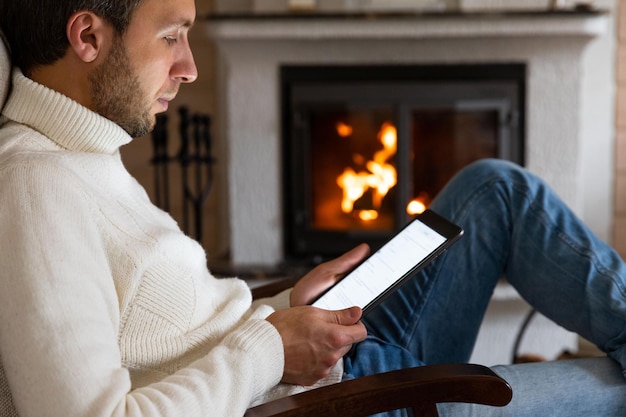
[140,129]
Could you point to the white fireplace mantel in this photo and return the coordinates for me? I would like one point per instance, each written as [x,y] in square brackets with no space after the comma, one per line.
[569,99]
[261,28]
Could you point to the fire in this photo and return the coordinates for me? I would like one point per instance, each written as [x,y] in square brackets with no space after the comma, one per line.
[344,130]
[380,176]
[368,215]
[419,204]
[415,207]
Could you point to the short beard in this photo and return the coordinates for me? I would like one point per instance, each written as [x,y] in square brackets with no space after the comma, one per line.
[116,93]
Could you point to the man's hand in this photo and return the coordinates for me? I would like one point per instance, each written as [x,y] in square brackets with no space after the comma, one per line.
[325,275]
[314,340]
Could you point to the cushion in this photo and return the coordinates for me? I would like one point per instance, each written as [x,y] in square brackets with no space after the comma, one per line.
[5,71]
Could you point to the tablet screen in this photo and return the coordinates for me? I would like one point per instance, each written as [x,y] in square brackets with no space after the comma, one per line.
[392,262]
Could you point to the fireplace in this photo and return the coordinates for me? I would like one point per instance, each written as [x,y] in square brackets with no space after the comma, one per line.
[567,102]
[365,147]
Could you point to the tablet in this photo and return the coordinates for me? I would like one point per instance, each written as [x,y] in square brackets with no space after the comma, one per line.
[409,251]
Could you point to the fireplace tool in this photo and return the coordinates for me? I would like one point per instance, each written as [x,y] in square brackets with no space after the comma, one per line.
[195,162]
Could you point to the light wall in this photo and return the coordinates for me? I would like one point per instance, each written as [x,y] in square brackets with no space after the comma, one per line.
[619,231]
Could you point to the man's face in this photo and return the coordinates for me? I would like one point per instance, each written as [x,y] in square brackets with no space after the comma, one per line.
[144,68]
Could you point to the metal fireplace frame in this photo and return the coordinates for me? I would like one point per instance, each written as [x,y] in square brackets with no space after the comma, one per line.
[499,87]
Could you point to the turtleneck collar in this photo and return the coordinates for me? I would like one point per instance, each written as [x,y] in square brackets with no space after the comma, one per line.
[66,122]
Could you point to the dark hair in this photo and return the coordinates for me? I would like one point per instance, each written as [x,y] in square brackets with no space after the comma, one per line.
[36,29]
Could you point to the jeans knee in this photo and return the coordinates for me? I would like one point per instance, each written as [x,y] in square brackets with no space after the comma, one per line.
[485,174]
[486,180]
[490,168]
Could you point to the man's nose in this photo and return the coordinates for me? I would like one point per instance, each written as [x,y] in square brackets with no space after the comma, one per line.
[185,68]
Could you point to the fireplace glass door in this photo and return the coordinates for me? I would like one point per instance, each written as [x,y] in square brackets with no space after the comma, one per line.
[361,157]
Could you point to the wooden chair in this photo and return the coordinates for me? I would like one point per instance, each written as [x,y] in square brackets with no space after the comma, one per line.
[418,389]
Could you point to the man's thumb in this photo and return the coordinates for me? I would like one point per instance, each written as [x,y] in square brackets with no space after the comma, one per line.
[349,316]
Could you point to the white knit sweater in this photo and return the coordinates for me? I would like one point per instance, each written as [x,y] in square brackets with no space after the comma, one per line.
[106,308]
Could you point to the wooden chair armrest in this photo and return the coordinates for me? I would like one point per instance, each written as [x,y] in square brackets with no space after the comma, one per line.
[418,388]
[268,290]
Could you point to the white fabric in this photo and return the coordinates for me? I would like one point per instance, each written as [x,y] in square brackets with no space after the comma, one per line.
[106,307]
[5,71]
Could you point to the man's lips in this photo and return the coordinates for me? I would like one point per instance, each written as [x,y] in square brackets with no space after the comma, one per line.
[165,99]
[165,103]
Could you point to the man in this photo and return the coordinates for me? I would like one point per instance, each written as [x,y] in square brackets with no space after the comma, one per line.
[106,308]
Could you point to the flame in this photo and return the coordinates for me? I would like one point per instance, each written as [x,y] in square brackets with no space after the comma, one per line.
[419,204]
[380,176]
[344,130]
[415,207]
[368,215]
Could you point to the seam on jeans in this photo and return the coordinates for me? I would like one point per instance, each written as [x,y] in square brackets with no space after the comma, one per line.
[575,246]
[544,217]
[462,212]
[464,208]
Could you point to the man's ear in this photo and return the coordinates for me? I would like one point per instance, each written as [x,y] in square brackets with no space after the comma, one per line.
[88,34]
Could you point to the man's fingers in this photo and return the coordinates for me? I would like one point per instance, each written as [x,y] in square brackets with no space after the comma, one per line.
[347,316]
[352,329]
[352,257]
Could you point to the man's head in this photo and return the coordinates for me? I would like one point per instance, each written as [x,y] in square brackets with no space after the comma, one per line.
[124,59]
[36,29]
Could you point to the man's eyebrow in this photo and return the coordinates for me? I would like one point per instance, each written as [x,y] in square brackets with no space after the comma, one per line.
[188,24]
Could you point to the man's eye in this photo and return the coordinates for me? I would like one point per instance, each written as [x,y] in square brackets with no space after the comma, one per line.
[170,40]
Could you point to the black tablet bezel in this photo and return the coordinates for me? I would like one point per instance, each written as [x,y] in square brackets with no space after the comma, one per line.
[451,233]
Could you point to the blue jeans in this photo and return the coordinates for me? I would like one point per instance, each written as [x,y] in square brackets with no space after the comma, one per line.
[516,227]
